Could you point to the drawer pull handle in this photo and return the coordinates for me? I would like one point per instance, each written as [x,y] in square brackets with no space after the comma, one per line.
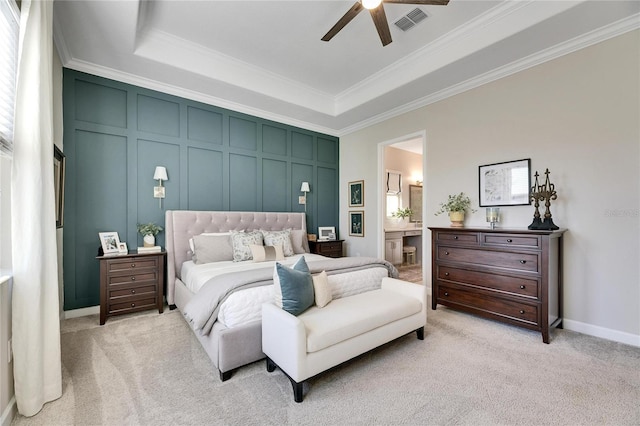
[133,265]
[133,278]
[455,237]
[509,240]
[522,287]
[446,253]
[521,311]
[446,274]
[523,261]
[133,305]
[446,294]
[133,292]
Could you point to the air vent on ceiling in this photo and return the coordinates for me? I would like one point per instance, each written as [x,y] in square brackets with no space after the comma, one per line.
[410,19]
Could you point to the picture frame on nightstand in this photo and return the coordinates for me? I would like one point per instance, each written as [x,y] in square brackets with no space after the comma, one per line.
[110,242]
[325,233]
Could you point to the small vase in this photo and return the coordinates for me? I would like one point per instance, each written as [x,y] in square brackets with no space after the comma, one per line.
[457,219]
[149,240]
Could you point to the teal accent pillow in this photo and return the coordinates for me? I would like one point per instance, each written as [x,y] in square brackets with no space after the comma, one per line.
[296,285]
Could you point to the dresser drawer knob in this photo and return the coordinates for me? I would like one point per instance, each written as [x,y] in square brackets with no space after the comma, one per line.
[133,305]
[133,278]
[446,274]
[446,253]
[523,261]
[455,237]
[133,265]
[133,292]
[521,311]
[509,240]
[446,293]
[521,287]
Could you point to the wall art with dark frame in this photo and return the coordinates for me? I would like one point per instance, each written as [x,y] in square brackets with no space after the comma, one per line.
[356,224]
[356,193]
[58,184]
[505,184]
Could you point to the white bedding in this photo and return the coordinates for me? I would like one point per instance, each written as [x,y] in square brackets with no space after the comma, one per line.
[245,306]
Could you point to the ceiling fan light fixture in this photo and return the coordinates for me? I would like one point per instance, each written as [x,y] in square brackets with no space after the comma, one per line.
[371,4]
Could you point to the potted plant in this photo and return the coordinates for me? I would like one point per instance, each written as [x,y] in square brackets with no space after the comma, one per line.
[149,232]
[402,215]
[456,206]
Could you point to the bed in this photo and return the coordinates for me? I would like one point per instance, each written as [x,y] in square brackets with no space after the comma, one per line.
[221,296]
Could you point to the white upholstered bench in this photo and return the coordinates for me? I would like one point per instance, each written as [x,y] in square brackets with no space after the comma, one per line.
[321,338]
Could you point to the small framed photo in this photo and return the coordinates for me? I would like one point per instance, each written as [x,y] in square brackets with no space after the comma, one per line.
[324,233]
[122,248]
[356,193]
[312,237]
[356,224]
[110,242]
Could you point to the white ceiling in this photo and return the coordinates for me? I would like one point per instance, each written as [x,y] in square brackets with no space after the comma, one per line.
[266,58]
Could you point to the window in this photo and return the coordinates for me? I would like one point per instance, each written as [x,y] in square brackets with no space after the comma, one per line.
[9,53]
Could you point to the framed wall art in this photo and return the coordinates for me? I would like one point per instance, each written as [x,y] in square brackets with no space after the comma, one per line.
[356,193]
[505,184]
[356,223]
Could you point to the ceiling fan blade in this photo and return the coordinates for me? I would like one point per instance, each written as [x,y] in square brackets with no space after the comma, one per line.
[351,13]
[380,19]
[425,2]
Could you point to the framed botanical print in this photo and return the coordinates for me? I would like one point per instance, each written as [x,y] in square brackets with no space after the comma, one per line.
[356,193]
[505,184]
[356,223]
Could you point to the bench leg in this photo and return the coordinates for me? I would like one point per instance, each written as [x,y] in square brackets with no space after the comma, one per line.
[420,333]
[224,376]
[297,391]
[271,366]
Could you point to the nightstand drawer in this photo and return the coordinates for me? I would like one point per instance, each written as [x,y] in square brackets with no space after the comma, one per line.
[133,304]
[122,279]
[133,263]
[119,292]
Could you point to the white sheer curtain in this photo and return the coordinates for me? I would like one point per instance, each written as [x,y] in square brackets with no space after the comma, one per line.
[36,321]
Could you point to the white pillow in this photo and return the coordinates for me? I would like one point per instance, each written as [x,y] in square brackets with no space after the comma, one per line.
[192,247]
[212,248]
[299,241]
[272,238]
[321,289]
[266,253]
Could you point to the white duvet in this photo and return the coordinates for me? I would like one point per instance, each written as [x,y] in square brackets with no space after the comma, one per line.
[245,306]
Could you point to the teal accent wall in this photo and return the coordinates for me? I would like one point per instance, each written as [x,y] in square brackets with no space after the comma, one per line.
[115,135]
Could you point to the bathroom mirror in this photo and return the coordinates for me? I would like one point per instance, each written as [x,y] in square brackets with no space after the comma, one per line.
[415,203]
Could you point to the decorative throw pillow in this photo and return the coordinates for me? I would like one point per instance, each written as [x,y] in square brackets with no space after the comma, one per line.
[296,287]
[212,248]
[240,241]
[321,289]
[272,238]
[300,265]
[266,253]
[206,233]
[299,241]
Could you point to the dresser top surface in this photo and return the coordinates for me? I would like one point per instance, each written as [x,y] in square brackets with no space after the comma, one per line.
[497,230]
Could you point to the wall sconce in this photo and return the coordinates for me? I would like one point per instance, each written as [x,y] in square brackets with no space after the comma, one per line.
[158,191]
[303,200]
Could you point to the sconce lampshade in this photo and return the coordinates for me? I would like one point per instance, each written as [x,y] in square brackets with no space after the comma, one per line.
[305,187]
[160,173]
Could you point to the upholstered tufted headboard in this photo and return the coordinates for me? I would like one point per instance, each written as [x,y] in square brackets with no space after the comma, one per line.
[180,225]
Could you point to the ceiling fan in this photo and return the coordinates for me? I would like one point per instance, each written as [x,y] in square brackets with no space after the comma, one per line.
[377,14]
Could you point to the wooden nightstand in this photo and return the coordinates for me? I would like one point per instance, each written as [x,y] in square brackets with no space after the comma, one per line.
[131,282]
[326,248]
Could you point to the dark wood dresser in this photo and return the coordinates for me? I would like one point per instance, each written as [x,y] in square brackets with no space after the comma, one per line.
[331,248]
[131,282]
[510,275]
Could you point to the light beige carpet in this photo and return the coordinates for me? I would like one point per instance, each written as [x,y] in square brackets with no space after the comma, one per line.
[149,369]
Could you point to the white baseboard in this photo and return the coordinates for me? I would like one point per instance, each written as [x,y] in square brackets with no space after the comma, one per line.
[604,333]
[9,413]
[82,312]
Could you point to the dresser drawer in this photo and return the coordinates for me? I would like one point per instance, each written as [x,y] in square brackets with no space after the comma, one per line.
[132,264]
[116,292]
[502,283]
[508,260]
[132,278]
[511,240]
[133,304]
[522,312]
[464,238]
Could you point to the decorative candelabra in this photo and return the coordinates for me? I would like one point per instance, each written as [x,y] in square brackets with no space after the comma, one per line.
[546,193]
